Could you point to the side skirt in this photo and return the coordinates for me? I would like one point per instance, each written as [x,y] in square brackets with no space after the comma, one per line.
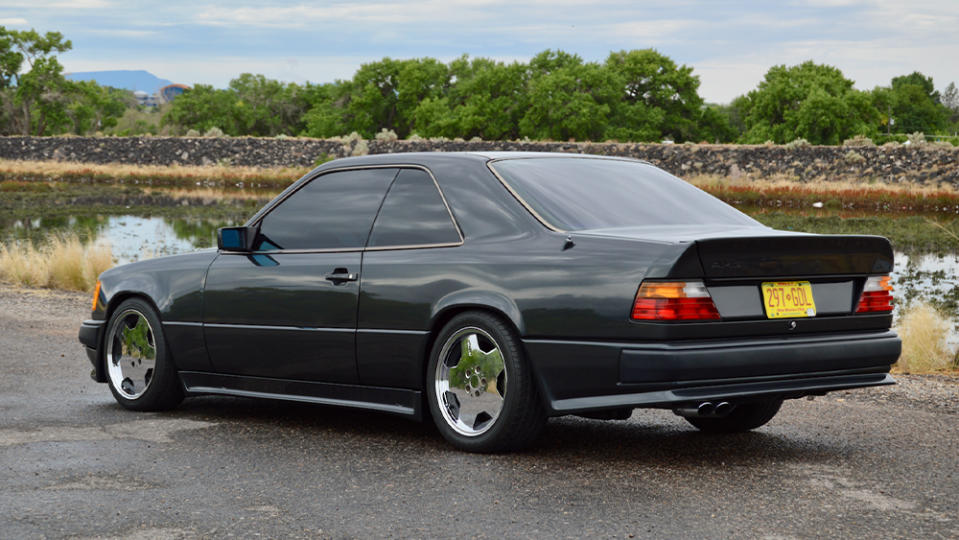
[399,401]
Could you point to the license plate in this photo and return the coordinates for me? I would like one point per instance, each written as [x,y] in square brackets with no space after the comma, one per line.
[788,299]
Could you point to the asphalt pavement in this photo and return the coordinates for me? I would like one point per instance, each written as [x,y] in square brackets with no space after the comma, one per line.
[880,463]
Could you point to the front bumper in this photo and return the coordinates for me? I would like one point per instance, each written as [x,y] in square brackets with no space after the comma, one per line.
[91,334]
[588,376]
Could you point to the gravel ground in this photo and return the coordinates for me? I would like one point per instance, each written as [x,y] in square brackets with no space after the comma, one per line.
[875,463]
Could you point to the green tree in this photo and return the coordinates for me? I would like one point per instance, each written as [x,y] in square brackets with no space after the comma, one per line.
[485,99]
[656,98]
[93,107]
[568,99]
[33,90]
[203,107]
[914,104]
[810,101]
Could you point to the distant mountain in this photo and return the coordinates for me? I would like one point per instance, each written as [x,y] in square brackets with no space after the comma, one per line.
[129,79]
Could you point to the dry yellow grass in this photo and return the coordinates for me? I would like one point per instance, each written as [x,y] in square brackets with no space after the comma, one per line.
[924,349]
[710,182]
[66,170]
[61,263]
[210,194]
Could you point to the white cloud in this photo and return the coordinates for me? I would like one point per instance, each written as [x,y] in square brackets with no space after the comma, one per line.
[13,21]
[122,32]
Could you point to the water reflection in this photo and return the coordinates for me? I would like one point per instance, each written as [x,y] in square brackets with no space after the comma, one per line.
[132,238]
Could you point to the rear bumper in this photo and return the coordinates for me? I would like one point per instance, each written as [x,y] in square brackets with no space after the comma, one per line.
[586,376]
[91,332]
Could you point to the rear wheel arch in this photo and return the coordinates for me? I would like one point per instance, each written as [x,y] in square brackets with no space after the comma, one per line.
[447,314]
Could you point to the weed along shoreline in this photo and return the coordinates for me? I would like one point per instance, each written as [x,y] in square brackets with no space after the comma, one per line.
[72,207]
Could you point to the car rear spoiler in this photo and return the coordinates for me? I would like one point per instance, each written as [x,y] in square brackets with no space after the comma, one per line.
[786,255]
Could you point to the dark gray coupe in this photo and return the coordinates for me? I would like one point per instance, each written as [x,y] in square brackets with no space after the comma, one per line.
[494,290]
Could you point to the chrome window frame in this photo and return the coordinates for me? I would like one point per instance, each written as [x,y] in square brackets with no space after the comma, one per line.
[265,211]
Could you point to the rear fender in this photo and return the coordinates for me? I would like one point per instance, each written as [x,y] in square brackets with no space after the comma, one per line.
[481,299]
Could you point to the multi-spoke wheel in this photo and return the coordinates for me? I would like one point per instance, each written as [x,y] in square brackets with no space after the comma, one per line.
[141,376]
[481,392]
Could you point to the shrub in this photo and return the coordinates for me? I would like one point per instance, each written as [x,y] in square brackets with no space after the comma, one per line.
[916,139]
[386,135]
[854,157]
[859,140]
[360,149]
[923,331]
[414,138]
[797,143]
[891,144]
[192,133]
[214,132]
[476,139]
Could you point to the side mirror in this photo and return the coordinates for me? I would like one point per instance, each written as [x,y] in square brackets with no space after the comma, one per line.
[235,238]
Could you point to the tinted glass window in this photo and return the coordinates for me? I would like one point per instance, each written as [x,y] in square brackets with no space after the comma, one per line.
[583,193]
[413,214]
[333,211]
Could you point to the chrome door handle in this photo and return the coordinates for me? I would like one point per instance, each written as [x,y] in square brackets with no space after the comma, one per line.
[342,276]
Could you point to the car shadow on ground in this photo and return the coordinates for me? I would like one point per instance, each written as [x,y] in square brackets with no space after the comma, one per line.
[649,437]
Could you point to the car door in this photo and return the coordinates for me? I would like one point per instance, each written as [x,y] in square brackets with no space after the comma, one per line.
[287,310]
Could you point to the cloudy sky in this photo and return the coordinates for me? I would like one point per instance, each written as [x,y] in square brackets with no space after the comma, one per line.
[730,45]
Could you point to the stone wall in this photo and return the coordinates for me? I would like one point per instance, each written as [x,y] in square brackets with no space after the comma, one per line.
[925,164]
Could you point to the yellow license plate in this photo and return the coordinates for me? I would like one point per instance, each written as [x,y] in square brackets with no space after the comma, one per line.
[788,299]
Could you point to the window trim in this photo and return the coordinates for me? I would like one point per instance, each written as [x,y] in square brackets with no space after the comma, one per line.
[258,219]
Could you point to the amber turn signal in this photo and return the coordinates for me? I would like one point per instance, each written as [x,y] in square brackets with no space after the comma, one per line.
[96,296]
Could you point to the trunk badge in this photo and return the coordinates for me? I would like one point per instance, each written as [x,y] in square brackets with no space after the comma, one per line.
[792,325]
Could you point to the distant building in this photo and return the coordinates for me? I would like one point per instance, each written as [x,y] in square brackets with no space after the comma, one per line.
[144,99]
[170,92]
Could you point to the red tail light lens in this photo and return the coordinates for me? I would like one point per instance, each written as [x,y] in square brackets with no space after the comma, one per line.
[876,295]
[674,301]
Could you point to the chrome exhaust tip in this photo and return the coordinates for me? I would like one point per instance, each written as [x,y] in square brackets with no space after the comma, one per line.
[723,408]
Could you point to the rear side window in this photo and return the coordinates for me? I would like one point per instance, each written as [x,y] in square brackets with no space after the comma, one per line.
[583,193]
[333,211]
[413,214]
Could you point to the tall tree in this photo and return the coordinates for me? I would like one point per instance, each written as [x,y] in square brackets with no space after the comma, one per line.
[656,98]
[810,101]
[914,104]
[34,92]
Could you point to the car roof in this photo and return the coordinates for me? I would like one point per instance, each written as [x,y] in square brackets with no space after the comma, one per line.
[424,158]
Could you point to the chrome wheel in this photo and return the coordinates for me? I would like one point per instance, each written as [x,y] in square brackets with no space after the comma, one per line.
[131,354]
[470,381]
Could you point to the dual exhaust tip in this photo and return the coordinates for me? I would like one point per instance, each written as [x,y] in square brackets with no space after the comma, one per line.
[706,409]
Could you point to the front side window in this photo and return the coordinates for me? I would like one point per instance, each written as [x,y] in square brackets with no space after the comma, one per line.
[333,211]
[413,214]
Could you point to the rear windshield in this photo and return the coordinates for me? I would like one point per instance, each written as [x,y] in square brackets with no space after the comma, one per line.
[583,193]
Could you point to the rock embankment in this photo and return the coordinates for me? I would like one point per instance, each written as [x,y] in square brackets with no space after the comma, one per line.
[923,164]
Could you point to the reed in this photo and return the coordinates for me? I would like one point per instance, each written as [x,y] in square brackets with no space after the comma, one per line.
[923,329]
[60,263]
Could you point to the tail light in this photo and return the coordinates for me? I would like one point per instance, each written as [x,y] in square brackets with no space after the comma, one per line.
[674,301]
[876,295]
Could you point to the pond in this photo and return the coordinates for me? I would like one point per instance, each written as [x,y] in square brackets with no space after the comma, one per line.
[928,276]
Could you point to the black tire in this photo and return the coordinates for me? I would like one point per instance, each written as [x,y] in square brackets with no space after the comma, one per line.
[135,384]
[744,417]
[521,415]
